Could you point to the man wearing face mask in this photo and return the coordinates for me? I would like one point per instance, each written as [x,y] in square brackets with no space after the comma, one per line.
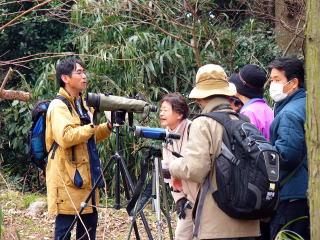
[288,135]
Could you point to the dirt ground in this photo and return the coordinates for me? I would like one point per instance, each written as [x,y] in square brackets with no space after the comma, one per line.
[113,224]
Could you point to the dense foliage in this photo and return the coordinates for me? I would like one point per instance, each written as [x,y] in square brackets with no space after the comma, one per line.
[131,47]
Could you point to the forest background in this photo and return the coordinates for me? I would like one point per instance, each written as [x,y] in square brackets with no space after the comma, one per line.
[130,47]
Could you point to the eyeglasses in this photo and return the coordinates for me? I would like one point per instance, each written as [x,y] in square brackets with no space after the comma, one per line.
[80,72]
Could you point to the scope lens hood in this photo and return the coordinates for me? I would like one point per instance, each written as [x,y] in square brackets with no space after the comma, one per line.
[93,100]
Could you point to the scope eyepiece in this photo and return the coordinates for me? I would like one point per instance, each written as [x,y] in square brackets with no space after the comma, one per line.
[153,108]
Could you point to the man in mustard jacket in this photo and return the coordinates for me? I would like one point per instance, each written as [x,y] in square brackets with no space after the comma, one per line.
[204,145]
[73,161]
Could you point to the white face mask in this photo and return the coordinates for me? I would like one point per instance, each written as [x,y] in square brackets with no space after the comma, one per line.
[276,91]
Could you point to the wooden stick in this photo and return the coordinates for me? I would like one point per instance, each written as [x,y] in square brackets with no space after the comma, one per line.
[14,95]
[11,94]
[6,79]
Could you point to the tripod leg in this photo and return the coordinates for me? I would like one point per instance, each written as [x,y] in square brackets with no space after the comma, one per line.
[83,206]
[165,210]
[158,211]
[129,186]
[117,204]
[127,193]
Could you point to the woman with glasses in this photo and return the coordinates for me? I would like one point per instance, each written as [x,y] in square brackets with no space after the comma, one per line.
[173,115]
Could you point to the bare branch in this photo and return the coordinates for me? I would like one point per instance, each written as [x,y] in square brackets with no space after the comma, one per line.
[34,57]
[11,94]
[25,13]
[6,79]
[297,33]
[14,2]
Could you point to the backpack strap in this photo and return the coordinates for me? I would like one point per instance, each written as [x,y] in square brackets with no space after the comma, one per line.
[223,118]
[188,130]
[55,145]
[222,107]
[207,186]
[290,175]
[65,100]
[202,196]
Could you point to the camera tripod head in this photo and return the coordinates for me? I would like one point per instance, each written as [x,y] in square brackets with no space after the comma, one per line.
[118,118]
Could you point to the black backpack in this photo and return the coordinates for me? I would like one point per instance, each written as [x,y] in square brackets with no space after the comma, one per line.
[247,171]
[36,136]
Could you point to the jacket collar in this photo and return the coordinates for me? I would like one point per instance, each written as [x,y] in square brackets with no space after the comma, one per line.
[180,128]
[214,102]
[64,93]
[71,99]
[300,93]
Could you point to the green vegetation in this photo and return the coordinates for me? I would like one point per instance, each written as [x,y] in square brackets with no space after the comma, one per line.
[285,234]
[130,47]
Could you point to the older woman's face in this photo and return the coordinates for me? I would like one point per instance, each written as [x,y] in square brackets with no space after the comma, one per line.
[168,117]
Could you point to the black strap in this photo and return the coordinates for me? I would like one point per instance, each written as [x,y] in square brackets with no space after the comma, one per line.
[291,174]
[222,107]
[53,148]
[55,145]
[66,101]
[188,131]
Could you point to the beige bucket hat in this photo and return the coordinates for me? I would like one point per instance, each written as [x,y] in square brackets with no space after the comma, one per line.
[211,80]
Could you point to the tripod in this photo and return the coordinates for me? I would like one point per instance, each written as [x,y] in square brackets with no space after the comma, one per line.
[158,180]
[152,190]
[121,170]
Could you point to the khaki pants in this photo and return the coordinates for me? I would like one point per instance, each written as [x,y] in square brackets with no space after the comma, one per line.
[184,230]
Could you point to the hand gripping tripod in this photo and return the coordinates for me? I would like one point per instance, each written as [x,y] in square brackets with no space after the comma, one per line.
[121,171]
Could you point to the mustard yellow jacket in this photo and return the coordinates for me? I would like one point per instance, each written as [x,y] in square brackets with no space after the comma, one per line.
[65,129]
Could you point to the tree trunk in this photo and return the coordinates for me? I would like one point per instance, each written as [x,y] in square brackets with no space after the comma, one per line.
[313,112]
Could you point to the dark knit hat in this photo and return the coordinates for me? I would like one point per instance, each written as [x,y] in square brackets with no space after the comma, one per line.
[250,81]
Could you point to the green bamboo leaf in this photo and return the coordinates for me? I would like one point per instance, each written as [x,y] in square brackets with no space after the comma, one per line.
[161,64]
[151,67]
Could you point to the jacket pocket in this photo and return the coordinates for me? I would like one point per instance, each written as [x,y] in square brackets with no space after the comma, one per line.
[77,174]
[78,169]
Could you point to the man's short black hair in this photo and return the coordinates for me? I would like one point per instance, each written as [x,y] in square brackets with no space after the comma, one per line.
[292,67]
[65,67]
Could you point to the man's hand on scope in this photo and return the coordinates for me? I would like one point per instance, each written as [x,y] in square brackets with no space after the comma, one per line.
[181,205]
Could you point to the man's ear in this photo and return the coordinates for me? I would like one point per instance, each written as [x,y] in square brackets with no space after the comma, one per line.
[295,83]
[65,78]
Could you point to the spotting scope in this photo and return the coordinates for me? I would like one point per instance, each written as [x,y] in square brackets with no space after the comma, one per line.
[155,133]
[106,102]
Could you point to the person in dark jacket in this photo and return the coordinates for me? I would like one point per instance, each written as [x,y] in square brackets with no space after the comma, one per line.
[287,133]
